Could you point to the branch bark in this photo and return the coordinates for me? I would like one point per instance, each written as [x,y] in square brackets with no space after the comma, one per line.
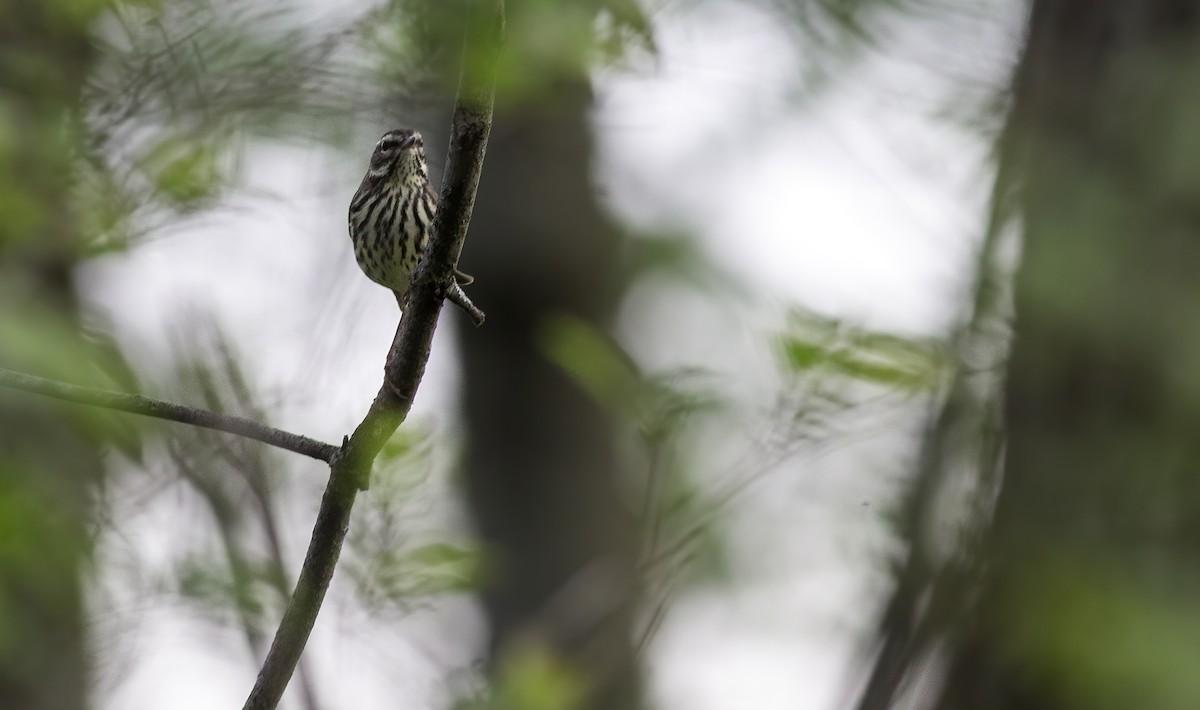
[145,406]
[432,283]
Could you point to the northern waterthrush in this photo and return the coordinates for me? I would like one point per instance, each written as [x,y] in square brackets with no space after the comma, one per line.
[391,214]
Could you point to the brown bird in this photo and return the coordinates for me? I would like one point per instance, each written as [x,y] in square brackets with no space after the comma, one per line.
[391,214]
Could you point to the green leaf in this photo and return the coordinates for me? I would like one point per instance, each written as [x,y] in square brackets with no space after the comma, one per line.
[407,441]
[591,358]
[185,173]
[444,553]
[533,678]
[815,343]
[802,355]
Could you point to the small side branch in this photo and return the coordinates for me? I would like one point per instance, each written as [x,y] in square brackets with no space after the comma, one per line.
[460,299]
[145,406]
[351,467]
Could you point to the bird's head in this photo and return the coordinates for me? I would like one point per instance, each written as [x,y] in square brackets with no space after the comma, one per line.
[400,154]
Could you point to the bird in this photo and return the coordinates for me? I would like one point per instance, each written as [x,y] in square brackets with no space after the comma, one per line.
[392,212]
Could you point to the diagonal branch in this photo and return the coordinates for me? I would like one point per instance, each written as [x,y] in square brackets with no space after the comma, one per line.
[433,282]
[159,409]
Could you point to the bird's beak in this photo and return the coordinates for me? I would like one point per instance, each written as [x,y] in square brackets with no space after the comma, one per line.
[408,140]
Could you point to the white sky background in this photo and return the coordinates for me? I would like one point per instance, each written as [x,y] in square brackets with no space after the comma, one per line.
[861,204]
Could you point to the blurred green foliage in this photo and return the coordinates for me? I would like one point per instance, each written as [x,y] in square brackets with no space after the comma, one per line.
[534,679]
[121,118]
[48,465]
[530,677]
[1102,638]
[396,557]
[818,343]
[829,369]
[1074,585]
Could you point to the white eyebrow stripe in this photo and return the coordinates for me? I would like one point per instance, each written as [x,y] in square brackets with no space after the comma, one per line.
[392,140]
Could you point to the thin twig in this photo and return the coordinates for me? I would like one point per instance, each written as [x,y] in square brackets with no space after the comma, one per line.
[137,404]
[350,468]
[460,298]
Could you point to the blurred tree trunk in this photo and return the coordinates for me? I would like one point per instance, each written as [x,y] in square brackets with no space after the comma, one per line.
[47,465]
[541,467]
[1085,590]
